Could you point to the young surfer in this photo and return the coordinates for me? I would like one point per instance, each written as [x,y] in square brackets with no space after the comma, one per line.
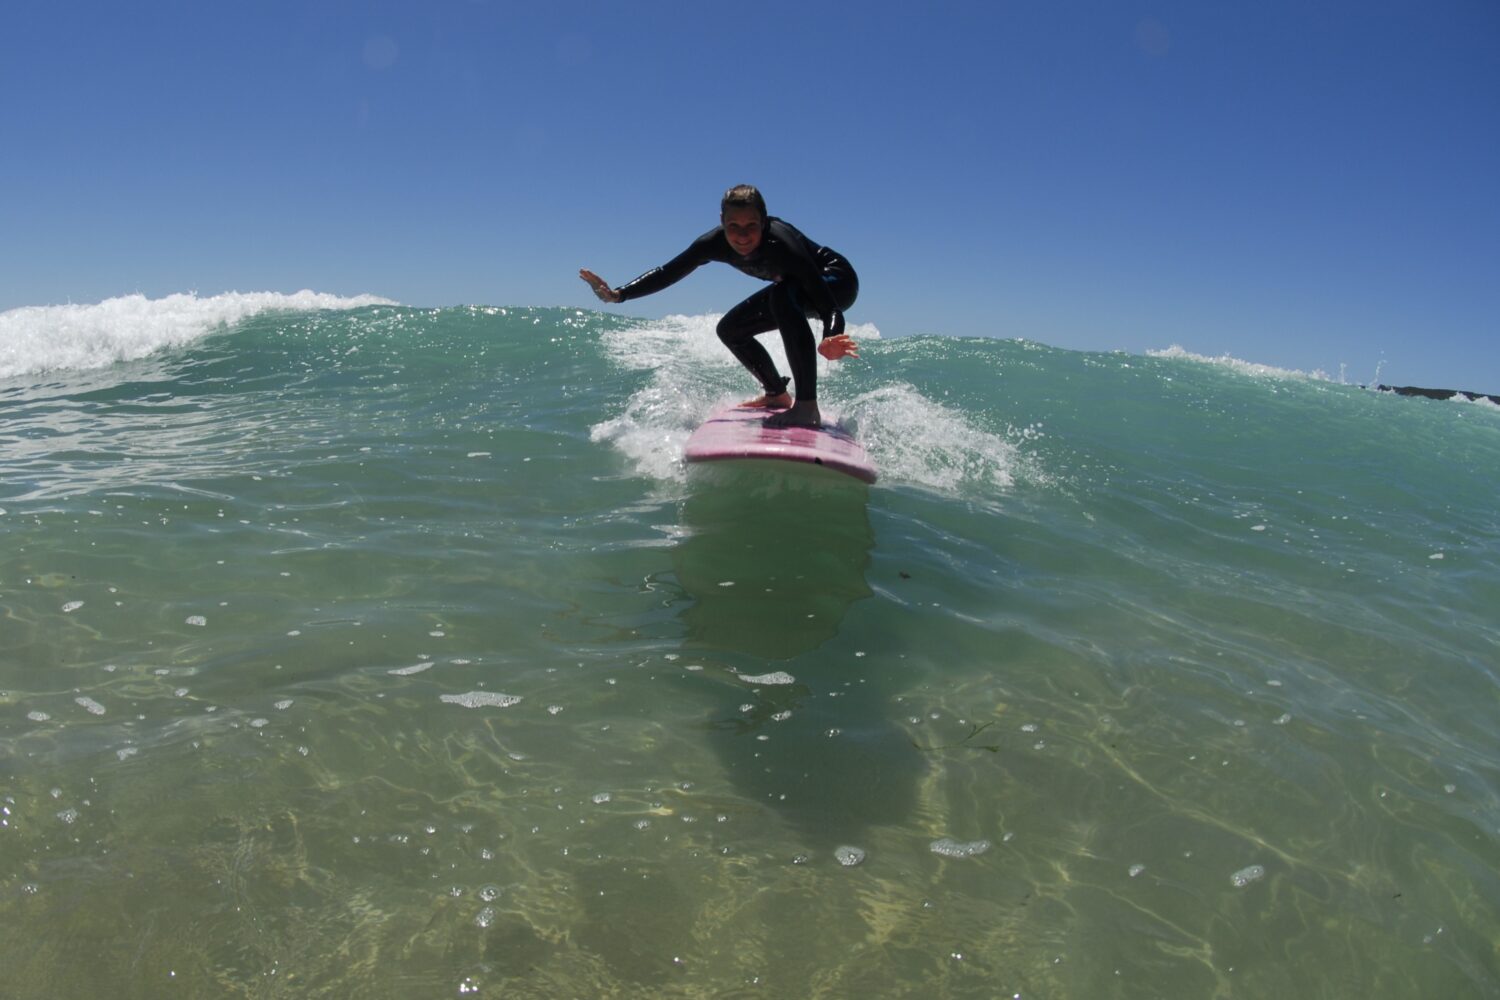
[805,278]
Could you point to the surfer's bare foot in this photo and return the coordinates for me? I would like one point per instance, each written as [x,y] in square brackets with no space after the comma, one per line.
[801,414]
[769,401]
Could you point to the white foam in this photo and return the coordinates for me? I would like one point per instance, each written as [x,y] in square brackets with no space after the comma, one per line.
[849,856]
[950,848]
[79,337]
[691,374]
[917,440]
[415,668]
[1478,400]
[1176,352]
[690,370]
[1245,876]
[481,699]
[774,677]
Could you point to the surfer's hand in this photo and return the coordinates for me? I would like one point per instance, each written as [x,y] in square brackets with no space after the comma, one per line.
[841,346]
[600,286]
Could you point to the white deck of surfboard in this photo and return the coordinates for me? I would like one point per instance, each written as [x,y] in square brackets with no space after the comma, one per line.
[736,432]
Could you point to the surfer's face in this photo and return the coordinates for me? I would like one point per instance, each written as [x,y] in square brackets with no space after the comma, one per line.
[743,228]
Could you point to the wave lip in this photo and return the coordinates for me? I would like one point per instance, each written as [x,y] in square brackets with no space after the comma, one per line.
[36,339]
[1177,352]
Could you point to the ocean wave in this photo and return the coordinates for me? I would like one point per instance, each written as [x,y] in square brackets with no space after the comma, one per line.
[36,339]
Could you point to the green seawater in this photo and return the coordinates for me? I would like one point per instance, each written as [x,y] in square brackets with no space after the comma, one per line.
[388,652]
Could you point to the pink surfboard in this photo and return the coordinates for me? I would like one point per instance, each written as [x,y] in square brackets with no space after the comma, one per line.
[735,432]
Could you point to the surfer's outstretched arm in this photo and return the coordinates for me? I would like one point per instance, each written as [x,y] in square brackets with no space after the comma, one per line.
[600,286]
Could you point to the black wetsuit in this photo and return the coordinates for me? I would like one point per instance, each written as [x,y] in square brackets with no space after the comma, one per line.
[806,278]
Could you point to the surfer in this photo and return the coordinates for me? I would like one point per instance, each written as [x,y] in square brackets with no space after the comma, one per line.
[805,278]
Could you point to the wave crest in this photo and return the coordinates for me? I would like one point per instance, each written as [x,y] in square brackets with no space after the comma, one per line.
[37,339]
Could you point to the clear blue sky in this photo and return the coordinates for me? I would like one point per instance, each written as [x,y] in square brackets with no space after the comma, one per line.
[1294,182]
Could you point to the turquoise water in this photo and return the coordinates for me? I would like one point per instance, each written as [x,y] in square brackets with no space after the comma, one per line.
[359,650]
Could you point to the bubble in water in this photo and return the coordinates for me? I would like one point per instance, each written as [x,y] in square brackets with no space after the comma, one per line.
[849,856]
[774,677]
[92,706]
[197,620]
[416,668]
[489,893]
[485,917]
[480,699]
[1245,876]
[602,797]
[71,606]
[38,716]
[69,816]
[1136,870]
[950,848]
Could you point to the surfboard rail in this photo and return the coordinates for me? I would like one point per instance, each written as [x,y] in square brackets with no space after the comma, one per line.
[736,432]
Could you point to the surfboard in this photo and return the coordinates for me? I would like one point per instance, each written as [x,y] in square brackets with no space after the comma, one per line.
[736,432]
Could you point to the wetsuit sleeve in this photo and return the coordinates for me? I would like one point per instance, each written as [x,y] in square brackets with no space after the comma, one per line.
[674,270]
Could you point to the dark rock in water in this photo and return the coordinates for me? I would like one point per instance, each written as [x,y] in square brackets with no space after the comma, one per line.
[1411,390]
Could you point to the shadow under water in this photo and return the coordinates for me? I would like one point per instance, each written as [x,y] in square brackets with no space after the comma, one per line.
[772,558]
